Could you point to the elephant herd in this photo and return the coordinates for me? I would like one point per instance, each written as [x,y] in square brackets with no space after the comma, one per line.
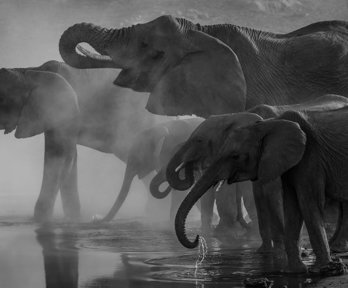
[272,109]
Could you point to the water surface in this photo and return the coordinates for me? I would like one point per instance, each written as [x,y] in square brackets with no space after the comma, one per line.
[125,254]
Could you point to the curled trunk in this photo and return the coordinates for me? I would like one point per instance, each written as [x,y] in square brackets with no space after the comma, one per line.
[127,181]
[202,186]
[155,184]
[172,173]
[99,38]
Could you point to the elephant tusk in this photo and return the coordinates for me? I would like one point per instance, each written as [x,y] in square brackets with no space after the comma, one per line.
[89,54]
[179,167]
[221,182]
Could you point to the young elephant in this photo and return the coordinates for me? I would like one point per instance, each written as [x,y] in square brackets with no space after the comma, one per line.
[309,150]
[209,136]
[151,150]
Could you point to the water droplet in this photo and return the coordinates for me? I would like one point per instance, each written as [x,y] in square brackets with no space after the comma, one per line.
[202,252]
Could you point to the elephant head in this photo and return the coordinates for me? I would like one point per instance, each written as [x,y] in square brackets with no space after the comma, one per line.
[168,57]
[141,161]
[33,101]
[260,150]
[199,150]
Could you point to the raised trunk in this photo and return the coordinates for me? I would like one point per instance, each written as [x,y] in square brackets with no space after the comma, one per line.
[202,186]
[127,181]
[99,38]
[172,173]
[155,184]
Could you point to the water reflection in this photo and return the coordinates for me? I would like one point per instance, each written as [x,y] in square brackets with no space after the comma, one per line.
[127,254]
[60,256]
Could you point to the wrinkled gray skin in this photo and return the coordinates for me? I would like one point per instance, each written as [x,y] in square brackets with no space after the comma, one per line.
[309,150]
[212,134]
[215,69]
[70,107]
[150,151]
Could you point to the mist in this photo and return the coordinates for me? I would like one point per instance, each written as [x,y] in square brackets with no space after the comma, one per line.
[30,32]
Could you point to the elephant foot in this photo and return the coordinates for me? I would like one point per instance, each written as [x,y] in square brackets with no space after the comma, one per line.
[43,212]
[226,233]
[72,216]
[334,268]
[297,267]
[266,247]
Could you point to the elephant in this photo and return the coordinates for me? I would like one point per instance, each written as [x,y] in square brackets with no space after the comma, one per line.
[203,145]
[215,69]
[70,107]
[151,150]
[307,149]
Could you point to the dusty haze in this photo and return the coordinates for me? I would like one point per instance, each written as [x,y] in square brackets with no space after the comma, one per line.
[30,30]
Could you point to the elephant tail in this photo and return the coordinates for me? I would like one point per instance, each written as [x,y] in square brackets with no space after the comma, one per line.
[155,184]
[127,181]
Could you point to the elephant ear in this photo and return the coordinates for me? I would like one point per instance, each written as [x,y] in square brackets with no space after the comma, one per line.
[208,80]
[51,104]
[283,145]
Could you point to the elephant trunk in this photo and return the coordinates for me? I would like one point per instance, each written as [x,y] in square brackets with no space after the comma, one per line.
[155,184]
[127,181]
[202,186]
[173,171]
[99,38]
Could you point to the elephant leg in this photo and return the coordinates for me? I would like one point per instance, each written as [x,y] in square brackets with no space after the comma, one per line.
[339,241]
[275,207]
[207,210]
[69,189]
[226,204]
[293,225]
[312,215]
[263,217]
[57,152]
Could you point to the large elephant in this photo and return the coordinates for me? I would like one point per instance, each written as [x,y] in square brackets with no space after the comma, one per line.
[215,69]
[151,150]
[309,150]
[70,107]
[203,145]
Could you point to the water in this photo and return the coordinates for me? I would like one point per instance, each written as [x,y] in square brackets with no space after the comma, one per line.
[125,254]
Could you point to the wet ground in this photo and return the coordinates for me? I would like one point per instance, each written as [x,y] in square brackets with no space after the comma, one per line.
[128,254]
